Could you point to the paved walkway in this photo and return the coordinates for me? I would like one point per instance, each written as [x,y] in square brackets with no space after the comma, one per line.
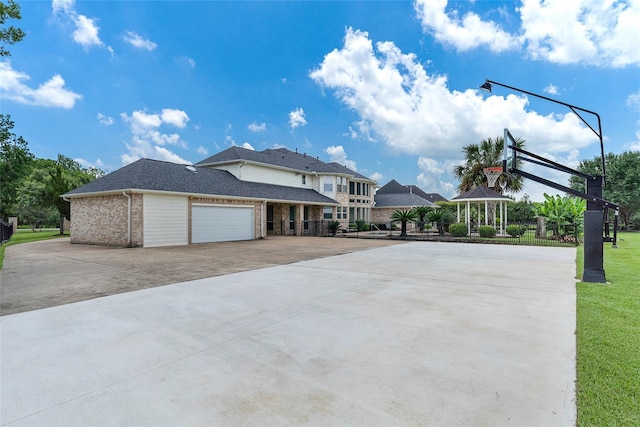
[413,334]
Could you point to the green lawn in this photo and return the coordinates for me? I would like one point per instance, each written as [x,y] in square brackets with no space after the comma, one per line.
[23,236]
[608,339]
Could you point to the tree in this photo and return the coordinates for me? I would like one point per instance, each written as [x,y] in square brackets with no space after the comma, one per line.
[523,210]
[65,174]
[403,216]
[15,165]
[561,211]
[11,35]
[488,153]
[31,206]
[422,212]
[443,217]
[622,181]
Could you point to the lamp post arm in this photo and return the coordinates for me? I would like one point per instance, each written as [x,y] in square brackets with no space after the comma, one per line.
[573,108]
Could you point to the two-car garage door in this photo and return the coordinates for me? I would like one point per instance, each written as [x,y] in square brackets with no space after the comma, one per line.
[166,220]
[218,223]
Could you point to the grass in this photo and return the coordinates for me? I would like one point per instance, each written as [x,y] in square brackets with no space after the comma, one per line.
[608,339]
[23,236]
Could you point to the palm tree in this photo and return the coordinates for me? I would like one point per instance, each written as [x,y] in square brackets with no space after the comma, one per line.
[422,212]
[487,153]
[403,216]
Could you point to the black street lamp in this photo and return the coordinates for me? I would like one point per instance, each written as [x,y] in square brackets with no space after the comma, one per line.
[597,207]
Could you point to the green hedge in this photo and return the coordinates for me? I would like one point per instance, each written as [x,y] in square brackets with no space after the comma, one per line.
[487,231]
[516,230]
[458,230]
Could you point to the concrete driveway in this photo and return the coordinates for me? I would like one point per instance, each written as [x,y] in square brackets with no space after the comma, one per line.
[54,272]
[420,333]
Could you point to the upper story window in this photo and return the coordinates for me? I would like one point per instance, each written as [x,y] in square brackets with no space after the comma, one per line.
[304,179]
[328,184]
[342,185]
[352,187]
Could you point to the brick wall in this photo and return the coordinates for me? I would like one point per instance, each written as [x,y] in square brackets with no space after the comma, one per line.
[99,220]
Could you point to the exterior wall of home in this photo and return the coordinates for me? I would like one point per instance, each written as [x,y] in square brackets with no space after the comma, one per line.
[256,173]
[102,220]
[234,169]
[259,214]
[383,216]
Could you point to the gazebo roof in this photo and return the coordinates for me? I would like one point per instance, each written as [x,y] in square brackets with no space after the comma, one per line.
[481,194]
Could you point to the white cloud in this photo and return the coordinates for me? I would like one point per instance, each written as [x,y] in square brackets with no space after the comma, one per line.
[86,29]
[602,33]
[296,118]
[415,113]
[104,120]
[257,127]
[86,32]
[376,176]
[147,140]
[552,90]
[185,61]
[430,178]
[337,154]
[464,34]
[177,118]
[633,101]
[202,151]
[248,146]
[136,40]
[62,6]
[51,93]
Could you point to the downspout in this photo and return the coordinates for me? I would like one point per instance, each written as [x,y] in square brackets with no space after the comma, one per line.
[128,217]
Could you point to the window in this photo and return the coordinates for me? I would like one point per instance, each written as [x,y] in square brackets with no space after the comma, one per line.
[328,184]
[359,189]
[327,213]
[342,185]
[304,179]
[342,212]
[352,188]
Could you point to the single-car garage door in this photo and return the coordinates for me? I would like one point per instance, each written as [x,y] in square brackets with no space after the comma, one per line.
[221,223]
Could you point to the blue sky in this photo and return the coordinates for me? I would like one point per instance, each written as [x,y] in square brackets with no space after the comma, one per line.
[389,88]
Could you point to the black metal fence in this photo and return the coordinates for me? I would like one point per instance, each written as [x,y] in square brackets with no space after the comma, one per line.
[522,233]
[6,230]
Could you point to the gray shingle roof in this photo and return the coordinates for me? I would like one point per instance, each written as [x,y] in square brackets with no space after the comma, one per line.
[400,200]
[280,157]
[394,187]
[155,175]
[480,193]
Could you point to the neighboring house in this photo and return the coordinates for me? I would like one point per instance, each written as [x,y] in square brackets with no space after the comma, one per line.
[237,194]
[394,195]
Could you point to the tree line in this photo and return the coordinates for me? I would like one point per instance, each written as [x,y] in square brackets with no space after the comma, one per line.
[31,188]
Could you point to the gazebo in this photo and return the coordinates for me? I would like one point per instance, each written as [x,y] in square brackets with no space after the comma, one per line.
[483,196]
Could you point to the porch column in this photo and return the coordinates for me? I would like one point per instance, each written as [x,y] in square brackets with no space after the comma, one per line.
[299,219]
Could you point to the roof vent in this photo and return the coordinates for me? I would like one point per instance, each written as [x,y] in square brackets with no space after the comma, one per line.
[191,169]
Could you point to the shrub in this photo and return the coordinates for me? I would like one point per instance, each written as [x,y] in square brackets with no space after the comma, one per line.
[360,223]
[334,226]
[487,231]
[458,230]
[515,230]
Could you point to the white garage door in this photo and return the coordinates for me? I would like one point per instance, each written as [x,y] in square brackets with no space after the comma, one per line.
[221,223]
[165,220]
